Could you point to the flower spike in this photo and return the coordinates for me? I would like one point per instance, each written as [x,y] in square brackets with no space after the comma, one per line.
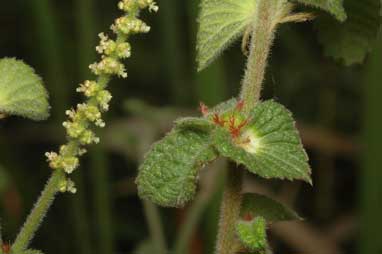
[87,115]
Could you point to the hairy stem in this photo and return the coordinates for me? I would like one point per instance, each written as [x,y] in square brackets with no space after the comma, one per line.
[38,212]
[261,42]
[268,13]
[229,213]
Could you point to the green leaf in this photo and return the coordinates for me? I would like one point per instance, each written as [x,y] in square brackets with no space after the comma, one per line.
[255,205]
[195,123]
[253,234]
[21,91]
[334,7]
[169,172]
[270,145]
[352,40]
[220,23]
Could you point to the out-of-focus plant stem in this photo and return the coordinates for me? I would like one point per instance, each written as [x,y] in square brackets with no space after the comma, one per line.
[371,191]
[102,201]
[86,30]
[51,51]
[325,175]
[199,205]
[155,227]
[173,52]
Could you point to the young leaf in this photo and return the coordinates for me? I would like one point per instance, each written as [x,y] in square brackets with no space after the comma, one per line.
[169,172]
[255,205]
[270,146]
[253,234]
[334,7]
[352,40]
[224,107]
[220,23]
[195,123]
[21,91]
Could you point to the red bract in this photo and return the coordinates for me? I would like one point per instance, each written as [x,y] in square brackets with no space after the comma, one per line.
[6,248]
[240,105]
[236,130]
[218,120]
[203,109]
[247,217]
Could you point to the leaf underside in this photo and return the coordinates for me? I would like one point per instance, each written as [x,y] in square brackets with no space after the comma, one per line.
[352,40]
[220,23]
[334,7]
[169,172]
[21,91]
[272,211]
[275,151]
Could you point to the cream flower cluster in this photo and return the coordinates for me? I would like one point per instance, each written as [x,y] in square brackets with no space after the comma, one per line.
[86,115]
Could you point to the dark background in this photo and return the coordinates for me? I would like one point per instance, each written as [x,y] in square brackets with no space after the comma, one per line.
[337,109]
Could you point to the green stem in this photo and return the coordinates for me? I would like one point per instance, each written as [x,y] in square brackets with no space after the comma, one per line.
[229,212]
[261,42]
[38,212]
[263,28]
[155,226]
[102,200]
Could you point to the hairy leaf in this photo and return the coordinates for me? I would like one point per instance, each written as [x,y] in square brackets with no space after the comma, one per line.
[335,7]
[352,40]
[221,22]
[270,146]
[21,91]
[253,234]
[255,205]
[169,172]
